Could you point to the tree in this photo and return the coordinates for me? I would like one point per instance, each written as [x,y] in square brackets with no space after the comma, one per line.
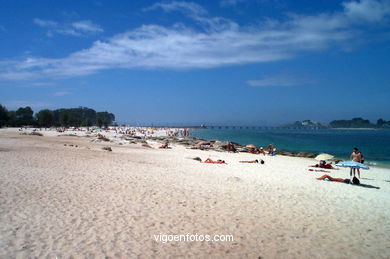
[45,118]
[104,118]
[24,114]
[3,115]
[380,123]
[354,123]
[12,115]
[64,118]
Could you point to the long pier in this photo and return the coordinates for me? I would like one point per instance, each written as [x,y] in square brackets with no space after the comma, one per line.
[227,127]
[257,127]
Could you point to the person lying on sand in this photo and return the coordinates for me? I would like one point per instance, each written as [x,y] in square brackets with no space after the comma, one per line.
[166,145]
[210,161]
[340,180]
[255,151]
[253,161]
[323,164]
[318,170]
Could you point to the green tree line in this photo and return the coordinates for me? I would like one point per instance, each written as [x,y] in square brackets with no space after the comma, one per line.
[359,123]
[73,117]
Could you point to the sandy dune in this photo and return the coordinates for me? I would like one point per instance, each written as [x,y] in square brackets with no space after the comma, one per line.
[64,201]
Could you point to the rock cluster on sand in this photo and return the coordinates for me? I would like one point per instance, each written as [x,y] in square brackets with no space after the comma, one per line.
[216,145]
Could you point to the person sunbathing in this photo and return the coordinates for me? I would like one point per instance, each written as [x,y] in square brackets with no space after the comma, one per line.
[323,164]
[166,145]
[340,180]
[251,162]
[210,161]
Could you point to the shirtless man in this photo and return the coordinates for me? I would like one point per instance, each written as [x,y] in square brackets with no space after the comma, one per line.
[357,157]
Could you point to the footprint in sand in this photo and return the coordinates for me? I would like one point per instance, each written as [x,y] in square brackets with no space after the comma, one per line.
[234,179]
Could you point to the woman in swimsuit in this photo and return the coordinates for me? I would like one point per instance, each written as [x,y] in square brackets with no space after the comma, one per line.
[210,161]
[340,180]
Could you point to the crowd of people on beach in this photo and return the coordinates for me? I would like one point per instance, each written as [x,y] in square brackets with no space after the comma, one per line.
[142,132]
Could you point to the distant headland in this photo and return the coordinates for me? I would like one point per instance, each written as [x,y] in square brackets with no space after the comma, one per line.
[355,123]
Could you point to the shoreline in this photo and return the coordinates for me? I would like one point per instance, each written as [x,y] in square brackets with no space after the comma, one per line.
[311,154]
[66,196]
[162,137]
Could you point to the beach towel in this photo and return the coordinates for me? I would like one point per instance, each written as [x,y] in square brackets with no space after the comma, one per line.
[318,170]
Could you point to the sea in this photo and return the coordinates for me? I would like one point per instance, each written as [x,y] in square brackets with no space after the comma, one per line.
[374,144]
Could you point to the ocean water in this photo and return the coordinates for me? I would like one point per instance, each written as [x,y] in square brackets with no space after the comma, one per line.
[374,144]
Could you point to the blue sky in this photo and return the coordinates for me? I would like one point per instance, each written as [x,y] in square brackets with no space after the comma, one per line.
[237,62]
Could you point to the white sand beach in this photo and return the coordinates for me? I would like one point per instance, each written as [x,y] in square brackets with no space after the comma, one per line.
[63,196]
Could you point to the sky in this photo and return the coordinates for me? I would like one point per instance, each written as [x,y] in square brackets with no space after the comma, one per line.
[222,62]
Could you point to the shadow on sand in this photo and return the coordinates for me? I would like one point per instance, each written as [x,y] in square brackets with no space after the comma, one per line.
[367,186]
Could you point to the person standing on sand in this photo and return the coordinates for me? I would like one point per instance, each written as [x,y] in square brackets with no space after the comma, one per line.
[357,157]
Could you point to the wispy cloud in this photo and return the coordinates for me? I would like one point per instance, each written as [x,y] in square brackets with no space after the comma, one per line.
[367,10]
[220,42]
[279,80]
[225,3]
[79,28]
[87,26]
[188,8]
[61,93]
[14,104]
[42,84]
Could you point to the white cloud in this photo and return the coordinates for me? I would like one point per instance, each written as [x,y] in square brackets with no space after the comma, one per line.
[80,28]
[45,23]
[279,80]
[367,10]
[221,42]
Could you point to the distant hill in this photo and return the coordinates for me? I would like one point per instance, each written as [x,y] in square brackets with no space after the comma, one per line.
[306,124]
[355,123]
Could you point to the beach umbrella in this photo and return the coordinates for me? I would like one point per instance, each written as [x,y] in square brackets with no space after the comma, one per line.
[250,146]
[352,164]
[323,156]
